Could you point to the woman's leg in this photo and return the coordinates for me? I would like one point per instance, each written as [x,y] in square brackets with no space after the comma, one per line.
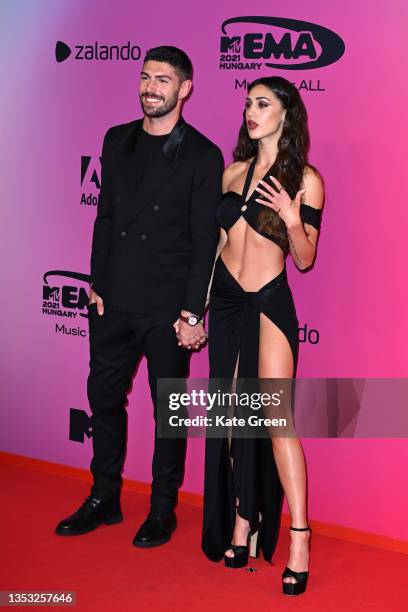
[276,361]
[241,527]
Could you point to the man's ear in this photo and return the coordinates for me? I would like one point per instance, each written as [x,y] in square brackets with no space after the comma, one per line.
[185,88]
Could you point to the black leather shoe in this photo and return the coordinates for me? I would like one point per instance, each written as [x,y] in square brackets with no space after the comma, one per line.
[90,515]
[156,529]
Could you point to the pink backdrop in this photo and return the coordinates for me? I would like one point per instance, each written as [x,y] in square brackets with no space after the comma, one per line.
[54,113]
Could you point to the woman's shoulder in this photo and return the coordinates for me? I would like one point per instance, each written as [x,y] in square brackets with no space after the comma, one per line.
[311,174]
[314,186]
[233,173]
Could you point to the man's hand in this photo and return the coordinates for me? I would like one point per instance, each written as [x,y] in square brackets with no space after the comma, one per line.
[94,298]
[189,336]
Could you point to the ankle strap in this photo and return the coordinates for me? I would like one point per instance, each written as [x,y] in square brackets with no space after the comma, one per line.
[300,528]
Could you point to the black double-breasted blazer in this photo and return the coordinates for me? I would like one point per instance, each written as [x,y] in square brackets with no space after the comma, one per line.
[154,242]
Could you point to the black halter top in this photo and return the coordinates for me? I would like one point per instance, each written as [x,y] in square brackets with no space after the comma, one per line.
[233,206]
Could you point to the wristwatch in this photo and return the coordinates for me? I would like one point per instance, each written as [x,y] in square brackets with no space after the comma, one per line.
[192,319]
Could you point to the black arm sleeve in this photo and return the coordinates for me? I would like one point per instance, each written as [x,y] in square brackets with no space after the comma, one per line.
[103,227]
[311,215]
[206,195]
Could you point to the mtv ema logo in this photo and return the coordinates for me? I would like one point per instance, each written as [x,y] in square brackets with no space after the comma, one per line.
[80,425]
[97,51]
[248,43]
[65,298]
[90,180]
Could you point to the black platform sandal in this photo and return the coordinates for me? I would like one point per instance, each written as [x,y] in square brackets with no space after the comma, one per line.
[243,552]
[240,558]
[298,587]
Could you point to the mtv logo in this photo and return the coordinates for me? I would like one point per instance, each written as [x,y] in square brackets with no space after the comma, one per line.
[90,170]
[80,425]
[51,293]
[230,44]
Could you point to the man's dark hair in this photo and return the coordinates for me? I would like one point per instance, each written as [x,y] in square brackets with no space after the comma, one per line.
[173,56]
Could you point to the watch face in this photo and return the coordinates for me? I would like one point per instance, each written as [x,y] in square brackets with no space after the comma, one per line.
[192,320]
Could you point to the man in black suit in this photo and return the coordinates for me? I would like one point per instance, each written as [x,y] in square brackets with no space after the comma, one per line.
[153,250]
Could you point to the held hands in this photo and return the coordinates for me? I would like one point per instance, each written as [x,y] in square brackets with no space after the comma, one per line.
[280,202]
[189,336]
[95,299]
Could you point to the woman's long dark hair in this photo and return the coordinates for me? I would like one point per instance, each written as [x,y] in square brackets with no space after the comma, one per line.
[293,146]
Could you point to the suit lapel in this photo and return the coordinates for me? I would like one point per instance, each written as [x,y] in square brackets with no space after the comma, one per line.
[158,175]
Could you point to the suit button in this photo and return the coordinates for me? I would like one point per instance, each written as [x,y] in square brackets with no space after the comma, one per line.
[156,207]
[117,199]
[143,236]
[244,207]
[122,234]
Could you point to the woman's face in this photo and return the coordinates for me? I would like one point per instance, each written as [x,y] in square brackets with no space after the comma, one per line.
[264,113]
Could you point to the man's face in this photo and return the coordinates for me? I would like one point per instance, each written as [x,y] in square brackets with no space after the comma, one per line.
[160,88]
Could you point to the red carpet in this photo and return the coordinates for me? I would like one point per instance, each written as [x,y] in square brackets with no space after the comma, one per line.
[108,573]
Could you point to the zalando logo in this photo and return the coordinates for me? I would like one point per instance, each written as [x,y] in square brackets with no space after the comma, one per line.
[277,42]
[97,51]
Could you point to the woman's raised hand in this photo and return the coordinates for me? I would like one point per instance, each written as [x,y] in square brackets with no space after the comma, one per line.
[280,202]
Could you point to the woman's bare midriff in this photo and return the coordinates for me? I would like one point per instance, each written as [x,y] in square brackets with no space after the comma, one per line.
[252,259]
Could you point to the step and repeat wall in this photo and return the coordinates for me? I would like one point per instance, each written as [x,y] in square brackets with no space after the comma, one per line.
[70,70]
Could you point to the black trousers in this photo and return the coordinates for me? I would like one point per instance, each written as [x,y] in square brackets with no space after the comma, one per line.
[117,341]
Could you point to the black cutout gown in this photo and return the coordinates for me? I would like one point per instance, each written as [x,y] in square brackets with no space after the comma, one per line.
[234,321]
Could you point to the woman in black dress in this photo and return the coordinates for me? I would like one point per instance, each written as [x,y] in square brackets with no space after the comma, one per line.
[271,206]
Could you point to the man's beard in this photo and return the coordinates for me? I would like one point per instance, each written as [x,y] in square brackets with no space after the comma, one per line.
[162,110]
